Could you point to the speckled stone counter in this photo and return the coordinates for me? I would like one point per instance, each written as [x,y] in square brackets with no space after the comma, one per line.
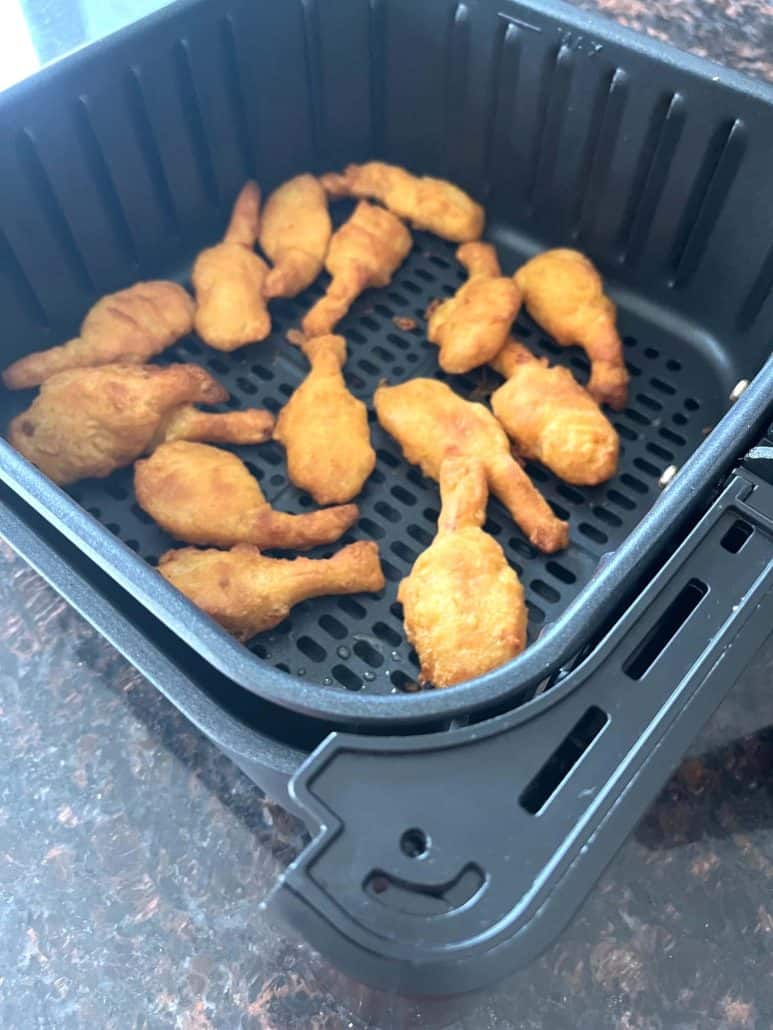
[133,855]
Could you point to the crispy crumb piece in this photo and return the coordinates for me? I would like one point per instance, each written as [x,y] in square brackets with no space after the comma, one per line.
[406,324]
[295,337]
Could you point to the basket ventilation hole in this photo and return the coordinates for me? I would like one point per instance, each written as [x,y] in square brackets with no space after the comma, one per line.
[403,552]
[592,533]
[312,649]
[351,607]
[561,572]
[371,528]
[387,634]
[403,681]
[635,484]
[392,574]
[492,527]
[637,417]
[332,627]
[403,495]
[647,467]
[625,432]
[368,654]
[606,516]
[387,458]
[398,341]
[672,437]
[660,452]
[346,677]
[615,497]
[387,511]
[649,402]
[545,591]
[570,494]
[663,387]
[521,547]
[420,535]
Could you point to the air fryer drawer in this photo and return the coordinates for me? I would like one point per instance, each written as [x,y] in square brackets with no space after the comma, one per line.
[122,161]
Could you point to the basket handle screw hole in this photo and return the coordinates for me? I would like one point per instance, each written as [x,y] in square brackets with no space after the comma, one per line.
[414,843]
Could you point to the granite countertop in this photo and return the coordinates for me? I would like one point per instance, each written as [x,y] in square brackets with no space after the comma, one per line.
[133,855]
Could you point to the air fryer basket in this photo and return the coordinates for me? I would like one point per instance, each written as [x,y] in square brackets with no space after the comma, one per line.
[121,162]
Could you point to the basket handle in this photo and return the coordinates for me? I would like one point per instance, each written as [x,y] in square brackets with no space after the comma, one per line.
[440,862]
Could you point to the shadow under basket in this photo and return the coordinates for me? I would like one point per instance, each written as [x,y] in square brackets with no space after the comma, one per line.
[453,832]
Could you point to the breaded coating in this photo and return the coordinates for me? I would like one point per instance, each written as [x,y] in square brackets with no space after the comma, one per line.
[228,280]
[248,593]
[431,204]
[251,426]
[463,605]
[130,327]
[91,421]
[365,251]
[429,421]
[472,326]
[244,225]
[552,419]
[206,496]
[324,429]
[564,293]
[295,231]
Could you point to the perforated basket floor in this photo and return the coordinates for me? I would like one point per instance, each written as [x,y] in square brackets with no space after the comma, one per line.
[357,643]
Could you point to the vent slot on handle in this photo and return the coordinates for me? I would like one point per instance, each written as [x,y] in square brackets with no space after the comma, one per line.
[665,629]
[566,756]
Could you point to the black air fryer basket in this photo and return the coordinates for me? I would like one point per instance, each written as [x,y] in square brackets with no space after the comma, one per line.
[453,832]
